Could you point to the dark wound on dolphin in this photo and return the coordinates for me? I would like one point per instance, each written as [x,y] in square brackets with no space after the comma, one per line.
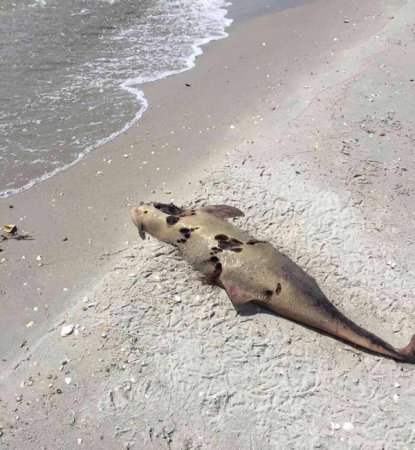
[255,241]
[230,244]
[218,270]
[169,208]
[172,220]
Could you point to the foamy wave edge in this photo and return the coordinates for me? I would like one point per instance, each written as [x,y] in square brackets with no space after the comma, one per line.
[129,85]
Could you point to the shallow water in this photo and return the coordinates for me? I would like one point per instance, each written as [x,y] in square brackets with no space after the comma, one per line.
[71,72]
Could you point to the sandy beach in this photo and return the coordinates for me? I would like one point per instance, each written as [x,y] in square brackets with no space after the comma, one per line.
[304,119]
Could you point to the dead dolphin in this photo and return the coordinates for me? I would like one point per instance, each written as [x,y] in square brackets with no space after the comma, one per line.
[252,270]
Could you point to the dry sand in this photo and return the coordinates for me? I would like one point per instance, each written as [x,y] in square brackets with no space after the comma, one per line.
[305,120]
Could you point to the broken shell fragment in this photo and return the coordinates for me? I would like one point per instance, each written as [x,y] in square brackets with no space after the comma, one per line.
[67,330]
[11,229]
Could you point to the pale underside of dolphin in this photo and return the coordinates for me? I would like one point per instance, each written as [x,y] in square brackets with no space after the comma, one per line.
[253,271]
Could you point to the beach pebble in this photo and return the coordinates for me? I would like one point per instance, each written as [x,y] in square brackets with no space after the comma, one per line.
[71,417]
[67,330]
[391,264]
[348,426]
[68,380]
[125,155]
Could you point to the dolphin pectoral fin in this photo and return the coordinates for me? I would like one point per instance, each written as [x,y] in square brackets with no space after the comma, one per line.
[141,232]
[237,295]
[223,211]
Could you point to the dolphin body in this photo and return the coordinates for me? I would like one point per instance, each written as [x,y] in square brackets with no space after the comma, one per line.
[253,271]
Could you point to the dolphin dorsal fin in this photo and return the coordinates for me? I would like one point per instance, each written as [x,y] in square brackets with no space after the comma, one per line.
[223,211]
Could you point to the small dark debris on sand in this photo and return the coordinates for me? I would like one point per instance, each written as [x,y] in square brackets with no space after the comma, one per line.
[11,232]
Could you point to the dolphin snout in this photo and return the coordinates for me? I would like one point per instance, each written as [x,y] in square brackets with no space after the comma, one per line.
[136,213]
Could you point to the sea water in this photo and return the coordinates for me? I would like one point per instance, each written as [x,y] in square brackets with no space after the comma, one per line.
[71,73]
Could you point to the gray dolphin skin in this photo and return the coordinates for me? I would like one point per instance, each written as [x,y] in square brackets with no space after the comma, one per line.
[253,271]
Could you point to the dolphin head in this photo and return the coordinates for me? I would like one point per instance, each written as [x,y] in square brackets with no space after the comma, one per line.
[156,219]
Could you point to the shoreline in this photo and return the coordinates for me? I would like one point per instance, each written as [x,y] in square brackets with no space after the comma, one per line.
[309,130]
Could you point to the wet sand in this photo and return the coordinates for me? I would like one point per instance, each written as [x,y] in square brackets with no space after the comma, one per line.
[303,119]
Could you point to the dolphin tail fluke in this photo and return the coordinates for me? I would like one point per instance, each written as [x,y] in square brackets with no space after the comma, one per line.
[363,338]
[347,330]
[326,317]
[408,352]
